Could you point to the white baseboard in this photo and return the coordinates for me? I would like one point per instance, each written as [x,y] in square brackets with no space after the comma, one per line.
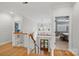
[4,42]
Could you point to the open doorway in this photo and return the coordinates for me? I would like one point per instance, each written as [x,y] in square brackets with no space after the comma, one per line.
[62,32]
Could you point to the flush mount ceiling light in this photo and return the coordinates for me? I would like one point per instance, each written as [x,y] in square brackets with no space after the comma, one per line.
[25,2]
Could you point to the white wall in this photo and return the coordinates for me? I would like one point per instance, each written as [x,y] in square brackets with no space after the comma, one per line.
[41,13]
[37,16]
[31,25]
[75,29]
[5,27]
[63,11]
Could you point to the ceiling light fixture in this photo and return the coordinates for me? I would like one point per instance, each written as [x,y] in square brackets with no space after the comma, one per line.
[25,2]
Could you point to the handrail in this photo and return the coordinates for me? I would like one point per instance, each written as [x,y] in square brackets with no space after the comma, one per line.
[31,36]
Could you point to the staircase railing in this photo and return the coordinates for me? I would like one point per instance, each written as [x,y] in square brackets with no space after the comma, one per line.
[36,47]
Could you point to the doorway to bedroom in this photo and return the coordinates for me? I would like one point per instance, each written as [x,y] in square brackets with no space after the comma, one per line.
[62,32]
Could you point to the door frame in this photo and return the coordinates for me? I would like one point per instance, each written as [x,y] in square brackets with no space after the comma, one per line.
[70,26]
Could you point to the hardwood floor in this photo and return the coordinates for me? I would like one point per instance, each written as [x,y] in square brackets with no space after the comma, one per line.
[8,50]
[58,52]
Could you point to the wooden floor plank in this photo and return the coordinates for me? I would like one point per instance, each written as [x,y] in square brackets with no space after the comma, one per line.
[8,50]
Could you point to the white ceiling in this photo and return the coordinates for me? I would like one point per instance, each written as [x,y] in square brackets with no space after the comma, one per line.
[32,8]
